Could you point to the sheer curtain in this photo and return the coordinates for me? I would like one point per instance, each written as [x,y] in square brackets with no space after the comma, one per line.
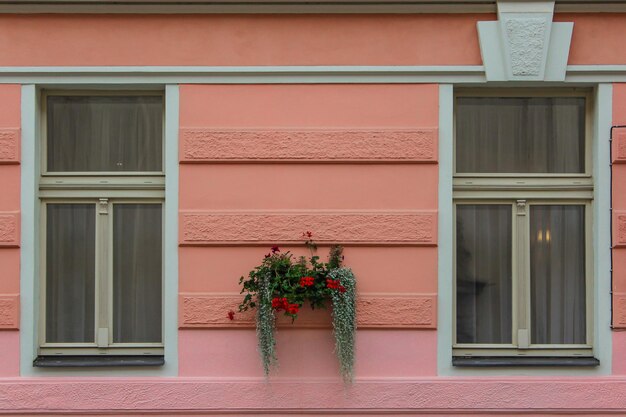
[70,272]
[520,135]
[104,133]
[483,247]
[557,274]
[137,271]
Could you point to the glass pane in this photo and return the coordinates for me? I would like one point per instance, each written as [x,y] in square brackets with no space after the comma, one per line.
[70,272]
[483,273]
[103,133]
[520,135]
[557,274]
[137,273]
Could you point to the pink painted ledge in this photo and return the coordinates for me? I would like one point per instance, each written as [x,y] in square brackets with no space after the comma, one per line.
[9,146]
[9,229]
[408,311]
[9,311]
[414,396]
[266,228]
[227,145]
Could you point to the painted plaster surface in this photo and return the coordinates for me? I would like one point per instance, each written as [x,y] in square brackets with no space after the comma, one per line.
[619,213]
[321,145]
[9,146]
[239,39]
[526,44]
[384,213]
[211,353]
[217,269]
[341,186]
[422,396]
[9,311]
[373,311]
[268,228]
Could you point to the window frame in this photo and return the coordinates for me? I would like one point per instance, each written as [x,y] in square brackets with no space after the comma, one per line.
[532,189]
[104,190]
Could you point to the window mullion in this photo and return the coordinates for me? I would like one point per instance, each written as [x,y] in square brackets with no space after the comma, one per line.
[521,272]
[102,274]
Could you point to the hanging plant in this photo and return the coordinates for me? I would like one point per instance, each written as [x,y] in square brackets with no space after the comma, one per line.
[284,284]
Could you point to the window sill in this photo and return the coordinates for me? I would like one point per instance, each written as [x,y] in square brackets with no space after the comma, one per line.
[98,361]
[508,361]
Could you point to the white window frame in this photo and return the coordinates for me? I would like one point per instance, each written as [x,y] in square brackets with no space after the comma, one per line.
[103,189]
[522,191]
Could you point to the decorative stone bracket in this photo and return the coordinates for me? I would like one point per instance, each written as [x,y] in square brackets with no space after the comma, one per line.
[524,44]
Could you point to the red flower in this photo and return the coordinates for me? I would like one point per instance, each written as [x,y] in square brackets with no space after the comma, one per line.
[333,284]
[275,249]
[306,281]
[231,315]
[293,308]
[280,303]
[342,288]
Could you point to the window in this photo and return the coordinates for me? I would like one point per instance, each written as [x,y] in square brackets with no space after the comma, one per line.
[523,202]
[101,192]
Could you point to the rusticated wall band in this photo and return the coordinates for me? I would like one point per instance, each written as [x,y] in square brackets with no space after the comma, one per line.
[9,229]
[618,153]
[386,228]
[9,146]
[416,311]
[619,310]
[208,145]
[619,228]
[9,311]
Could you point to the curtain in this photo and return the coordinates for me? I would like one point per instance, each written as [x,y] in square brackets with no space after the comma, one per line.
[137,272]
[483,286]
[520,135]
[70,272]
[104,133]
[557,273]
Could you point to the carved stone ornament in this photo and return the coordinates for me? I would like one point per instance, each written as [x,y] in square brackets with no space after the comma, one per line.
[524,44]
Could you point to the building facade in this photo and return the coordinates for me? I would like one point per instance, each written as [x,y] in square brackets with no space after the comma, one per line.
[470,156]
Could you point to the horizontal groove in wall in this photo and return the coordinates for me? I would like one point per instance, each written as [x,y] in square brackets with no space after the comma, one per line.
[417,311]
[320,145]
[9,311]
[268,228]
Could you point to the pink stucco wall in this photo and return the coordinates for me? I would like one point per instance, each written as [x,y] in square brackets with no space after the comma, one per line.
[321,187]
[281,188]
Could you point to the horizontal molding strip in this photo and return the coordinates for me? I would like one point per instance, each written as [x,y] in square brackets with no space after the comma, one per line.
[346,227]
[408,396]
[292,6]
[154,76]
[405,311]
[332,145]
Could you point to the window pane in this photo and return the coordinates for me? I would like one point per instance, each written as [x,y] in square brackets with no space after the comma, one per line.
[137,273]
[520,135]
[557,274]
[70,272]
[483,273]
[104,133]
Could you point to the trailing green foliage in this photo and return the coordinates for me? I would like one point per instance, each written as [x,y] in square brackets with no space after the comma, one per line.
[344,321]
[265,325]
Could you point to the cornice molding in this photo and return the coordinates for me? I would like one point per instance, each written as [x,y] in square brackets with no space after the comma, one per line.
[289,6]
